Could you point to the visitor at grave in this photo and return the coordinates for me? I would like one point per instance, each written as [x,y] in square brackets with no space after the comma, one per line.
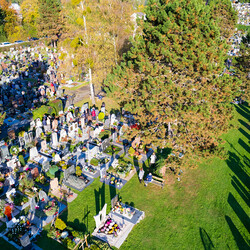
[148,179]
[141,174]
[93,113]
[152,160]
[103,108]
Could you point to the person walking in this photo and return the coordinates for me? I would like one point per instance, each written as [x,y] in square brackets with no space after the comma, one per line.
[141,174]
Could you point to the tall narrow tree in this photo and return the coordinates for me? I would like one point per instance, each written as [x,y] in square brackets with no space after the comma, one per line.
[50,19]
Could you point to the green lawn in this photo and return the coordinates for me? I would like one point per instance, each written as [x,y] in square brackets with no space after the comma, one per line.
[207,209]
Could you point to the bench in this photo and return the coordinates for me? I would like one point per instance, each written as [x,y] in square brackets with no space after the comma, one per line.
[158,181]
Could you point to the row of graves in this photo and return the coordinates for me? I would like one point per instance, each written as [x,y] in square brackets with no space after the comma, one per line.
[60,155]
[22,73]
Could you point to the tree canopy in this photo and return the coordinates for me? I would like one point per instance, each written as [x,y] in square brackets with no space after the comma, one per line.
[50,19]
[170,78]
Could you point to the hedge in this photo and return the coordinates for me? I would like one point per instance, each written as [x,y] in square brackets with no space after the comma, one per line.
[53,107]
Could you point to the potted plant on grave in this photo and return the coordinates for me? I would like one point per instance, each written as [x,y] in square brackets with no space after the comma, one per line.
[78,171]
[2,207]
[79,132]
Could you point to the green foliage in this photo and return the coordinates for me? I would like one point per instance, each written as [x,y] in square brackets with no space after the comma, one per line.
[50,19]
[104,134]
[60,224]
[52,170]
[101,116]
[94,162]
[169,77]
[19,199]
[131,151]
[78,171]
[56,105]
[14,150]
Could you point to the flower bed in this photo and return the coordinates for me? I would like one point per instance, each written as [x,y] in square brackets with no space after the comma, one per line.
[112,149]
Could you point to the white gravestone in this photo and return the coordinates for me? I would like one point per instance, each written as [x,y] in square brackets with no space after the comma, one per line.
[33,153]
[54,139]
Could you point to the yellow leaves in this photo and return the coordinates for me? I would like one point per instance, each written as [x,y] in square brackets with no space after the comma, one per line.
[80,21]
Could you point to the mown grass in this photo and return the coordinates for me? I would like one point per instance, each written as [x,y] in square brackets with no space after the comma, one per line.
[207,209]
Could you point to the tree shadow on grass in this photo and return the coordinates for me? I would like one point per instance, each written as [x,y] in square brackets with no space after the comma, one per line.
[238,168]
[240,189]
[99,193]
[244,218]
[244,133]
[244,145]
[241,243]
[206,241]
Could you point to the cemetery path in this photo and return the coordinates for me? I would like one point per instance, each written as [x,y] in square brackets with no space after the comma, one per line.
[80,94]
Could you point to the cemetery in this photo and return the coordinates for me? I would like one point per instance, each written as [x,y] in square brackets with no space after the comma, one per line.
[55,157]
[50,154]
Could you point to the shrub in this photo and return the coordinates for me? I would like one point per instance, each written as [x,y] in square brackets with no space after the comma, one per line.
[53,169]
[131,151]
[94,162]
[101,116]
[21,159]
[78,171]
[59,224]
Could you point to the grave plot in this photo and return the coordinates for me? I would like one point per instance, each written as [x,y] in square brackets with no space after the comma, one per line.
[115,227]
[76,180]
[65,235]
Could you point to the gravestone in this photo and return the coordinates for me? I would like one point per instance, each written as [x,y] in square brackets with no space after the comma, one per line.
[33,153]
[43,196]
[38,123]
[25,241]
[43,146]
[32,204]
[54,124]
[63,134]
[54,184]
[85,106]
[54,139]
[35,172]
[102,173]
[4,151]
[21,141]
[45,166]
[32,124]
[105,144]
[82,122]
[38,132]
[30,136]
[69,117]
[46,128]
[114,136]
[57,158]
[26,138]
[112,119]
[107,124]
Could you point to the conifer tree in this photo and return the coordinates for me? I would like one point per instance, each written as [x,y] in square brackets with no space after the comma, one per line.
[50,19]
[170,78]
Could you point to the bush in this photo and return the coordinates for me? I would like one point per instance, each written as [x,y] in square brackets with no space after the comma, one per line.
[131,151]
[78,171]
[21,159]
[53,169]
[56,105]
[59,224]
[94,162]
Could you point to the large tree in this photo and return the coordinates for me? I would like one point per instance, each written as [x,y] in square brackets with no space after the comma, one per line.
[30,15]
[171,78]
[50,19]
